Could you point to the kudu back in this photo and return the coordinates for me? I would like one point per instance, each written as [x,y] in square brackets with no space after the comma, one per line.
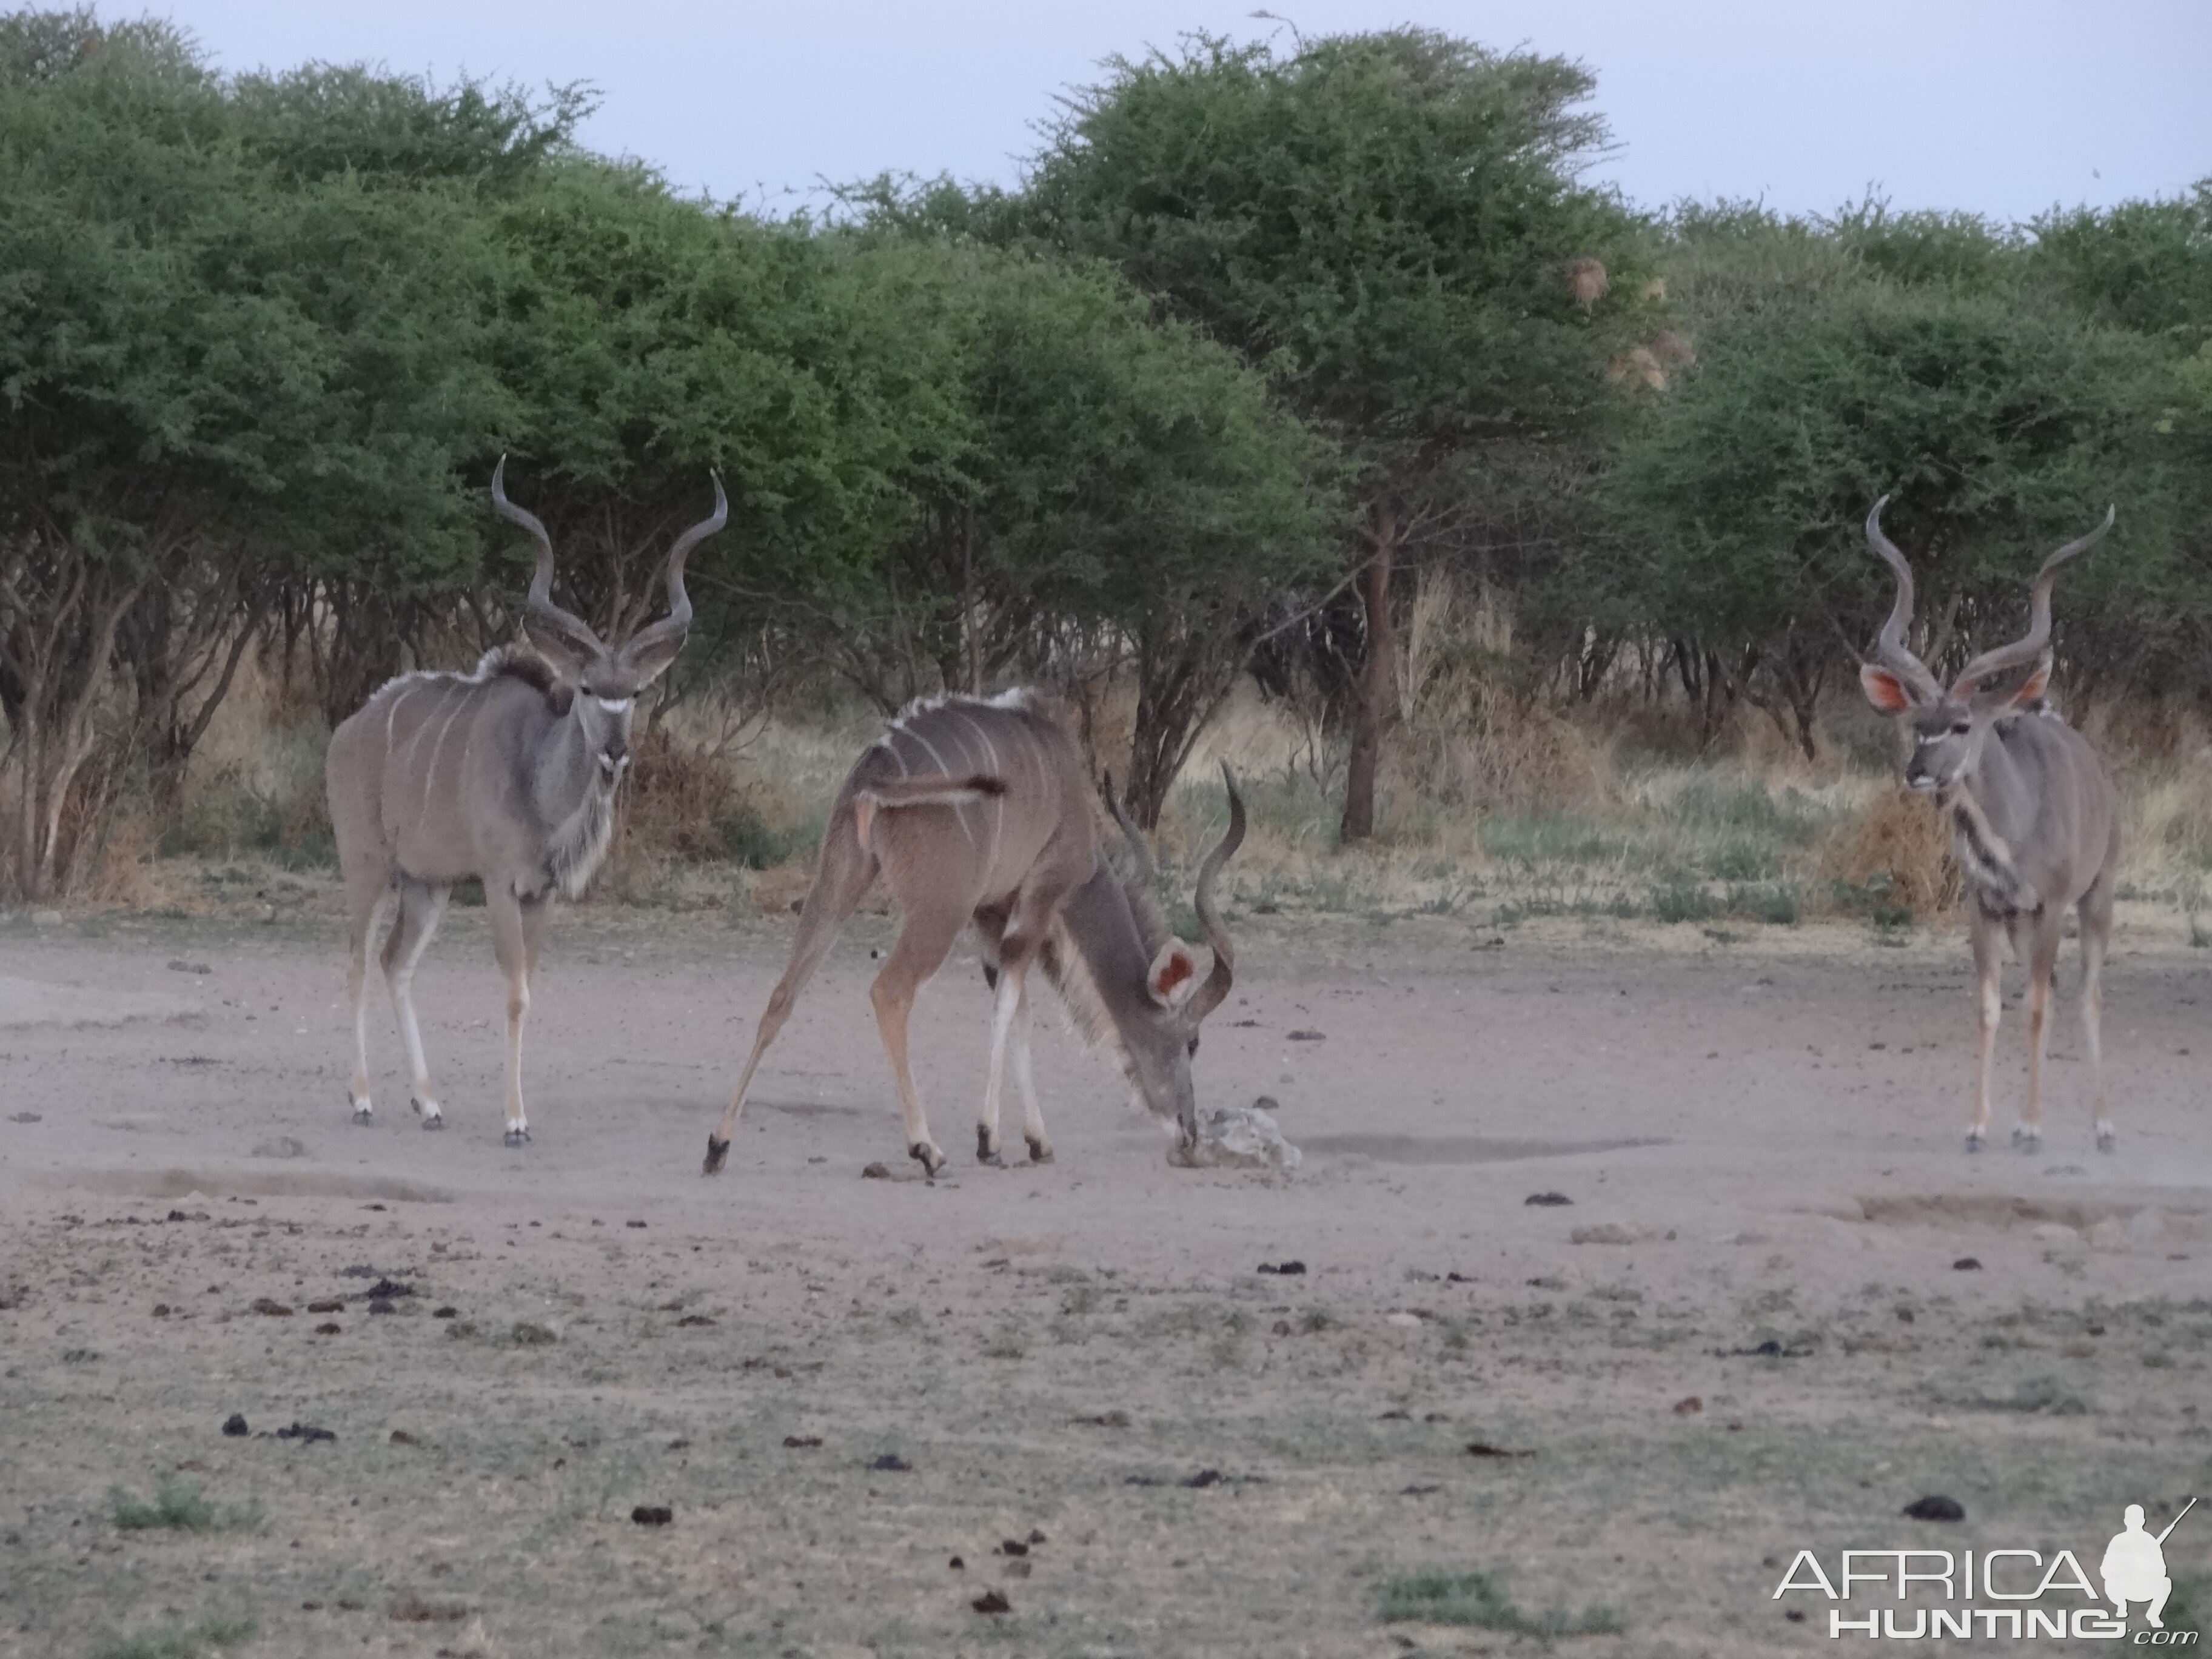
[2033,818]
[977,811]
[507,774]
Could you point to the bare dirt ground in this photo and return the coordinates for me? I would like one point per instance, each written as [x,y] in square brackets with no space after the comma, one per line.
[836,1386]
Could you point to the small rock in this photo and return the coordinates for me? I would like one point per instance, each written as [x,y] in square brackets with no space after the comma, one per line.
[1202,1480]
[1935,1508]
[307,1431]
[388,1288]
[1282,1266]
[1484,1448]
[876,1172]
[1966,1264]
[1548,1198]
[801,1441]
[161,1310]
[447,1313]
[332,1305]
[1689,1407]
[401,1437]
[329,1328]
[956,1565]
[992,1601]
[1012,1546]
[1606,1232]
[694,1319]
[274,1309]
[891,1463]
[1307,1037]
[235,1426]
[653,1515]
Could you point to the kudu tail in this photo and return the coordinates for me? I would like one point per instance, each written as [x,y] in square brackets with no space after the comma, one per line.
[841,880]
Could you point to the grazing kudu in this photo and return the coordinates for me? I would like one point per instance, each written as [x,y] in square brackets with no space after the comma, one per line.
[2034,821]
[979,810]
[507,774]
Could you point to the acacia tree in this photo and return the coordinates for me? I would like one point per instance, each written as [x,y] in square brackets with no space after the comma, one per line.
[203,373]
[1999,424]
[1386,224]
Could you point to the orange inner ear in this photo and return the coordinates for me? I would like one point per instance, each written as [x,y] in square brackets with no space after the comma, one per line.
[1173,972]
[2032,687]
[1884,690]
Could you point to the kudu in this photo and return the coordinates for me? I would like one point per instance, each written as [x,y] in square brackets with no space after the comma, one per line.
[507,774]
[979,810]
[2035,822]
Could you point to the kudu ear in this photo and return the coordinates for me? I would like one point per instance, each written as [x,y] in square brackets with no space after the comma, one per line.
[1885,690]
[649,654]
[567,649]
[2032,688]
[1174,974]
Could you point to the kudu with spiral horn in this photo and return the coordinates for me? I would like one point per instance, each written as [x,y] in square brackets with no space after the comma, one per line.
[978,811]
[2033,818]
[508,772]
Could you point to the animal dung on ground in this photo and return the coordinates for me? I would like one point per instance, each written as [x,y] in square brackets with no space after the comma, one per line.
[329,1328]
[801,1441]
[1012,1546]
[1202,1480]
[307,1431]
[274,1309]
[1547,1198]
[1113,1419]
[1282,1266]
[161,1310]
[235,1426]
[891,1463]
[401,1437]
[1237,1137]
[1689,1407]
[413,1610]
[1484,1448]
[385,1288]
[1966,1264]
[334,1304]
[694,1319]
[1307,1037]
[992,1601]
[445,1313]
[1935,1507]
[876,1172]
[653,1515]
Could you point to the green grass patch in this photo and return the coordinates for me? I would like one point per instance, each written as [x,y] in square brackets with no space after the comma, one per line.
[1473,1598]
[192,1641]
[177,1506]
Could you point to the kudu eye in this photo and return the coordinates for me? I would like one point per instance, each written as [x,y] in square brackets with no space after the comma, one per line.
[1959,728]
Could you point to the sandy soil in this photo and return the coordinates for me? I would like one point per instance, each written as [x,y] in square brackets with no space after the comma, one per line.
[1760,1146]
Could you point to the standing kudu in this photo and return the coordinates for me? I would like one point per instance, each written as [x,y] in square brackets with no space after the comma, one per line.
[2034,821]
[977,811]
[507,774]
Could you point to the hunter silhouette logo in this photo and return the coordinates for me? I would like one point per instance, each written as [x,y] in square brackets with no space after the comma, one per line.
[2018,1594]
[2134,1567]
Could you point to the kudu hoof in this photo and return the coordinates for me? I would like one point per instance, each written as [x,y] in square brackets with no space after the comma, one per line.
[2026,1139]
[363,1114]
[433,1117]
[1973,1140]
[717,1150]
[1040,1153]
[2106,1140]
[517,1137]
[927,1155]
[986,1153]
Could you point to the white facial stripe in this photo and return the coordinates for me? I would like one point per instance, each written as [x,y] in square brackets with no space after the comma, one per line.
[615,705]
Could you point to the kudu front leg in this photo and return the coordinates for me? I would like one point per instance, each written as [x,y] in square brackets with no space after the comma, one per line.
[923,944]
[518,926]
[2045,932]
[1989,988]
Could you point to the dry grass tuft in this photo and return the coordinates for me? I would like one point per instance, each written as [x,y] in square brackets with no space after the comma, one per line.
[1896,850]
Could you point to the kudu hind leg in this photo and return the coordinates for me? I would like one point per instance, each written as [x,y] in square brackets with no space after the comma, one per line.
[847,868]
[421,905]
[2044,932]
[924,942]
[2096,913]
[366,900]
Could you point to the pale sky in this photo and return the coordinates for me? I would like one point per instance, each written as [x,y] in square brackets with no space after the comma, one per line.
[2003,109]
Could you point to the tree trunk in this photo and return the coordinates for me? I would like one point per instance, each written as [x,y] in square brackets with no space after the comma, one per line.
[1373,699]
